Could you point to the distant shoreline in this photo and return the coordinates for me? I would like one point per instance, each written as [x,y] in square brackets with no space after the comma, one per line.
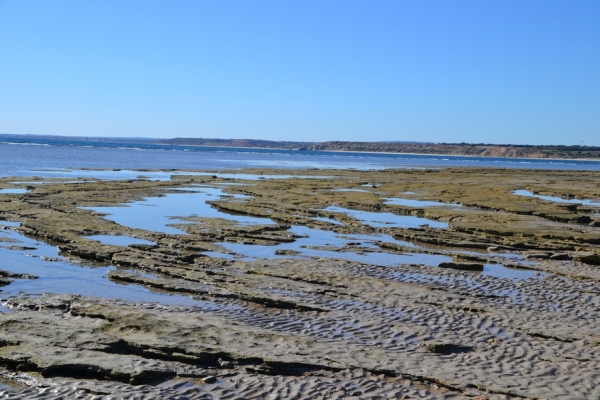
[448,155]
[518,152]
[392,153]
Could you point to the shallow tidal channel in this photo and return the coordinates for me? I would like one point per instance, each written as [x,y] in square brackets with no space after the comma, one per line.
[55,274]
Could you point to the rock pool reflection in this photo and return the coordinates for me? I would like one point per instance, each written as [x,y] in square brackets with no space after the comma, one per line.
[387,220]
[157,213]
[555,199]
[57,275]
[118,240]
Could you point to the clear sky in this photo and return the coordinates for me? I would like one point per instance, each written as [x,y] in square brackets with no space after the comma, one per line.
[524,72]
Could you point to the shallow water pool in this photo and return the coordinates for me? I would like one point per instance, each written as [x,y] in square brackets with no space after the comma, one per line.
[555,199]
[388,220]
[13,191]
[316,243]
[157,213]
[419,203]
[118,240]
[57,275]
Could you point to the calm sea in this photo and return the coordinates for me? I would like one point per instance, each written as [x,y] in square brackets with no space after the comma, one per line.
[22,157]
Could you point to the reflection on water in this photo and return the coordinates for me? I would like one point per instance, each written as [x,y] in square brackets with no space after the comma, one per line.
[56,275]
[419,203]
[351,190]
[13,191]
[388,220]
[500,271]
[118,240]
[527,193]
[9,223]
[325,244]
[251,252]
[157,213]
[216,254]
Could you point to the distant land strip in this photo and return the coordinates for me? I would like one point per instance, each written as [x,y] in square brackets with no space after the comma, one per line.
[463,149]
[406,147]
[455,149]
[256,143]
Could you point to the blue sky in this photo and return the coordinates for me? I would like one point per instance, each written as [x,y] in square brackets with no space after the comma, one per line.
[525,72]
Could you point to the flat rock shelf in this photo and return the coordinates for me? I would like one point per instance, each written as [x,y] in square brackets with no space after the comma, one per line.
[306,284]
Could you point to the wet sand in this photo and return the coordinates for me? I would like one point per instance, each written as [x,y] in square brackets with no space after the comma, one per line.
[274,289]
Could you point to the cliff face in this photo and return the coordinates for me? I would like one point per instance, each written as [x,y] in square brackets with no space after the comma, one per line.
[462,149]
[455,149]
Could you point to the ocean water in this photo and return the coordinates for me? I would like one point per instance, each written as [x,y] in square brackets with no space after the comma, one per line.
[22,157]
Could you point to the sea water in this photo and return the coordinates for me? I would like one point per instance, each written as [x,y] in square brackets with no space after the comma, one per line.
[23,157]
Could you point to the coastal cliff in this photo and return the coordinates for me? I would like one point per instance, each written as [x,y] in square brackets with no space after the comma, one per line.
[461,149]
[454,149]
[408,147]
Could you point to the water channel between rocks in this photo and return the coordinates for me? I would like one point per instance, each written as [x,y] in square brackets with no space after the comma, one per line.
[556,199]
[119,240]
[20,254]
[13,191]
[156,213]
[419,203]
[386,219]
[56,275]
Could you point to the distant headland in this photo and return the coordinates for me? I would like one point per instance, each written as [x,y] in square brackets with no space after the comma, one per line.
[400,147]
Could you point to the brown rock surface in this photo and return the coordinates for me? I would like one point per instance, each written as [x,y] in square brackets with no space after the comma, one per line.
[322,326]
